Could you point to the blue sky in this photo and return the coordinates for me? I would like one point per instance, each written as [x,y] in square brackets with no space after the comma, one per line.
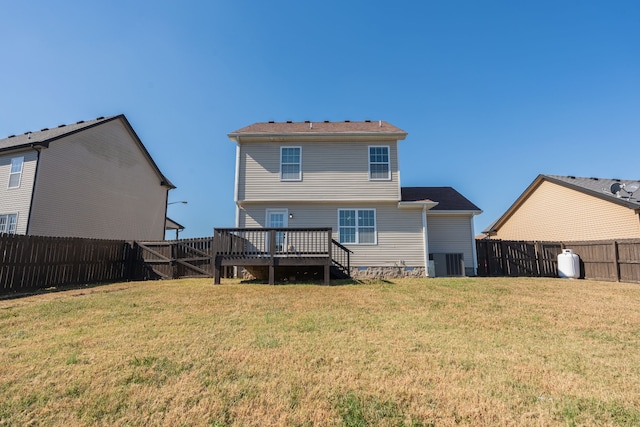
[492,93]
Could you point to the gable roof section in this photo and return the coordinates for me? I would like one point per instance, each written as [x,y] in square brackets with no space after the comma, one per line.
[366,127]
[448,198]
[44,137]
[596,187]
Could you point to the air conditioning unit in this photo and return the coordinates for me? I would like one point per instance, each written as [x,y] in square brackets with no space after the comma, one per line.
[448,264]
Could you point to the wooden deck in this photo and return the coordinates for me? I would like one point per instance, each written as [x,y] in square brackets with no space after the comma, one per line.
[280,247]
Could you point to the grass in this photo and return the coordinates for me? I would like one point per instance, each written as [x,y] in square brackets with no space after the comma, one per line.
[413,352]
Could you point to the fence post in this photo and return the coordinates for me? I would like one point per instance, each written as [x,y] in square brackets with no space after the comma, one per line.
[616,262]
[173,250]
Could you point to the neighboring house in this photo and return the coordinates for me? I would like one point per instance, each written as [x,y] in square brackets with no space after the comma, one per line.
[345,176]
[91,179]
[565,208]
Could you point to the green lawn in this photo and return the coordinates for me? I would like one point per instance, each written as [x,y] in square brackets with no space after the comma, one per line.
[414,352]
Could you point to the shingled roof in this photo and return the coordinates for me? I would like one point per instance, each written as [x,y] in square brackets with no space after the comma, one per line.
[597,187]
[600,187]
[323,127]
[447,197]
[43,137]
[46,135]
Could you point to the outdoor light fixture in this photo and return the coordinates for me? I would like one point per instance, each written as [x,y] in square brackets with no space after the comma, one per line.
[290,216]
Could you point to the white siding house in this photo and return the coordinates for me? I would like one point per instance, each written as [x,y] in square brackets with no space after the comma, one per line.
[345,176]
[91,179]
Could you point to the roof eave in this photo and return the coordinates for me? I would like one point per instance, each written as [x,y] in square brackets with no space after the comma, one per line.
[316,135]
[495,225]
[417,204]
[473,212]
[35,145]
[164,181]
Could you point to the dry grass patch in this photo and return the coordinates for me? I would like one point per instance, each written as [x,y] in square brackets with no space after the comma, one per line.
[402,353]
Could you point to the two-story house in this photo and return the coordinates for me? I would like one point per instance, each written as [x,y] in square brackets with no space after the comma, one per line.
[345,176]
[91,179]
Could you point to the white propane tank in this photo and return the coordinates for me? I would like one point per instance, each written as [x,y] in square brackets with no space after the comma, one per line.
[568,264]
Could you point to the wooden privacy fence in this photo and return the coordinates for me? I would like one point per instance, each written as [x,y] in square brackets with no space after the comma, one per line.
[32,262]
[613,260]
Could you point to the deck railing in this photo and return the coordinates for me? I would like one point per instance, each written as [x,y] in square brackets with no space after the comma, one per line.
[310,246]
[261,242]
[341,258]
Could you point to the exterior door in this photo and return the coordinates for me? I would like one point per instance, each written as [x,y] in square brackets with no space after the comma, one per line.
[278,218]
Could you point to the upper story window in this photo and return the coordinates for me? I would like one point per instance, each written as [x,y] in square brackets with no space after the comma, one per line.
[15,175]
[357,226]
[379,164]
[8,223]
[290,163]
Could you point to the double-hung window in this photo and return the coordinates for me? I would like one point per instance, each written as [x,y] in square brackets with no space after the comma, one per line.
[15,174]
[357,226]
[379,164]
[8,223]
[290,163]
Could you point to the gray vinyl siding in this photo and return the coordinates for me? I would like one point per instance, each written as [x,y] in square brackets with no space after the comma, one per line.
[97,183]
[18,200]
[451,234]
[399,232]
[330,171]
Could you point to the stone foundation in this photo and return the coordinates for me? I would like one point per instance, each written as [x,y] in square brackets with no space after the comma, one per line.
[386,272]
[361,273]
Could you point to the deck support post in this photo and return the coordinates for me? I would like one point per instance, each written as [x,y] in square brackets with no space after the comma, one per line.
[327,266]
[327,273]
[216,270]
[272,274]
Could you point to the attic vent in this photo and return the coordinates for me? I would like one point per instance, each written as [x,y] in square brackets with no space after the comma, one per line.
[61,126]
[289,121]
[595,179]
[81,121]
[572,177]
[100,118]
[42,130]
[347,121]
[367,121]
[271,121]
[616,179]
[307,121]
[11,136]
[326,121]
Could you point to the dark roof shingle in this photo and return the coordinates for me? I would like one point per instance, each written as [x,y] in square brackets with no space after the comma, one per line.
[45,135]
[447,197]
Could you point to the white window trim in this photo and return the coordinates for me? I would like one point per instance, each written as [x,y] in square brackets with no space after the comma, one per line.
[299,178]
[283,211]
[16,173]
[357,226]
[388,163]
[7,223]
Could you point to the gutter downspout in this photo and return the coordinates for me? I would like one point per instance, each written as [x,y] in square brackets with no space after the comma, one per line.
[425,237]
[35,181]
[236,187]
[473,247]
